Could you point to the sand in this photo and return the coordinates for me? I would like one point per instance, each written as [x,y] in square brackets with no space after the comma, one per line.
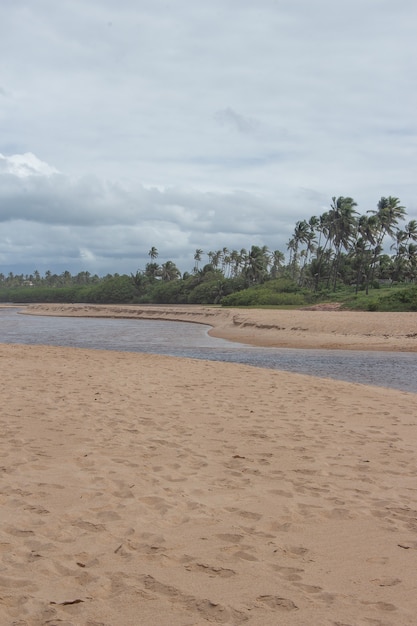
[328,328]
[140,489]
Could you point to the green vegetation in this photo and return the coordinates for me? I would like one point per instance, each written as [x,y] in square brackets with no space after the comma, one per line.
[339,256]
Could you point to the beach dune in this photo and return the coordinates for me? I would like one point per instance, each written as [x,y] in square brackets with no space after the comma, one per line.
[141,489]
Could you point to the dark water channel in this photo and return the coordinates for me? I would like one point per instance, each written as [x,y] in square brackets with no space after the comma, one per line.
[385,369]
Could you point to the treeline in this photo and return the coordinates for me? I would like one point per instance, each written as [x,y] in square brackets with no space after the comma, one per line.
[343,247]
[338,250]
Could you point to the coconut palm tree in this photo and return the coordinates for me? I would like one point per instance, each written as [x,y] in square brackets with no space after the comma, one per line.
[153,253]
[322,252]
[152,271]
[300,236]
[169,271]
[388,213]
[342,216]
[197,258]
[216,258]
[277,263]
[412,261]
[411,230]
[367,227]
[257,265]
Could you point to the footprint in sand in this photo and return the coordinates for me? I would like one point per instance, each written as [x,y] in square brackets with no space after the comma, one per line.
[245,514]
[289,573]
[386,582]
[206,609]
[230,537]
[210,570]
[276,602]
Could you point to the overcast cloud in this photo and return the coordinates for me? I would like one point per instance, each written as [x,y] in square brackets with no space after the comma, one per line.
[185,125]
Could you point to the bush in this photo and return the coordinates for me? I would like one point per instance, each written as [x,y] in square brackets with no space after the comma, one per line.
[25,295]
[263,297]
[115,290]
[170,292]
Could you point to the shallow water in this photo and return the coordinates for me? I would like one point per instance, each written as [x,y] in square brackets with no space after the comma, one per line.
[385,369]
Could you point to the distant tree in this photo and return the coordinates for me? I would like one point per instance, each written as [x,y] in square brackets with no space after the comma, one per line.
[256,269]
[169,271]
[277,263]
[152,271]
[387,215]
[153,253]
[342,229]
[197,258]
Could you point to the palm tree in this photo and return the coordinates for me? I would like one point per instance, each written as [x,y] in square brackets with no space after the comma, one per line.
[66,277]
[197,258]
[310,241]
[169,271]
[322,254]
[412,261]
[235,262]
[215,259]
[358,254]
[300,236]
[365,240]
[152,271]
[153,253]
[411,230]
[257,266]
[342,229]
[389,212]
[277,262]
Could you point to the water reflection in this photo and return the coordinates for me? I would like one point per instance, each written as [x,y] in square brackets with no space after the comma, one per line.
[386,369]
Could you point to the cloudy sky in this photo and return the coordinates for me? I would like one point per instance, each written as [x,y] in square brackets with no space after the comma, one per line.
[184,125]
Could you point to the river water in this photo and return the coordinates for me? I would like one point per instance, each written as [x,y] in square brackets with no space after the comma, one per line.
[385,369]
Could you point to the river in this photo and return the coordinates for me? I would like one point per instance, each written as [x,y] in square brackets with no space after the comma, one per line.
[397,370]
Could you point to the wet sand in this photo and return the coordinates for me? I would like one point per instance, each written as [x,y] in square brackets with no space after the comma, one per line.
[140,489]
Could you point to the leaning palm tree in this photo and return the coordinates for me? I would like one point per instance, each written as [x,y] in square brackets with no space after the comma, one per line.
[300,236]
[388,213]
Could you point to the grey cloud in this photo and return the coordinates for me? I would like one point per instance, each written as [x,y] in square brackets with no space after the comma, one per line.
[229,117]
[55,220]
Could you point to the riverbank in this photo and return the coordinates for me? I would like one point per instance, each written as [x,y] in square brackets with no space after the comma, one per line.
[327,329]
[140,489]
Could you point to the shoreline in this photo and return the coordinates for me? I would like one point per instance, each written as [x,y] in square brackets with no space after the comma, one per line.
[300,328]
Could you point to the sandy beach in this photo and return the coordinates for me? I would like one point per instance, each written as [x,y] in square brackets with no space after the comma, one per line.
[148,490]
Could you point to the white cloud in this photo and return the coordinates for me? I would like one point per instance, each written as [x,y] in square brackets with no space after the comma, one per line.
[24,165]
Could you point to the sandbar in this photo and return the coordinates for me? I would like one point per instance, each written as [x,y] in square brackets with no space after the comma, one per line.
[324,328]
